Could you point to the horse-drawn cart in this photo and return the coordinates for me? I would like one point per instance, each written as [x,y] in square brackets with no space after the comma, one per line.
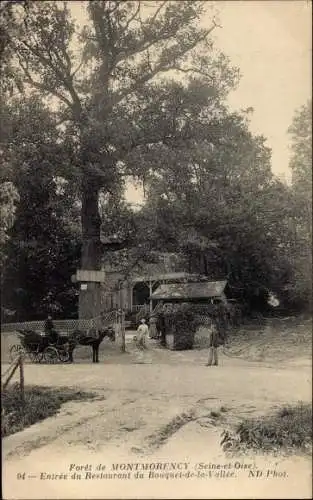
[37,347]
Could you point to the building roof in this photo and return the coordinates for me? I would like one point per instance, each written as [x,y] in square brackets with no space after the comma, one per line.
[185,291]
[166,276]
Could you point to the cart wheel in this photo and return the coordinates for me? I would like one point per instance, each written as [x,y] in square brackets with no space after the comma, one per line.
[51,355]
[15,350]
[35,356]
[32,356]
[63,355]
[39,357]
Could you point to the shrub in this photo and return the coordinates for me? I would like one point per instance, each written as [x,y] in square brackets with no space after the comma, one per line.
[289,428]
[40,403]
[182,321]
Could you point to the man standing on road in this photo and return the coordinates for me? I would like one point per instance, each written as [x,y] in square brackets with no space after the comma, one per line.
[142,331]
[213,345]
[161,327]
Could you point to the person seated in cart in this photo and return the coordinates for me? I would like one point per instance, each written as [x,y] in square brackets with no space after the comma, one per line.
[50,331]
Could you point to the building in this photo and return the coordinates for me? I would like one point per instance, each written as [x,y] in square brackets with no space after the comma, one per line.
[134,286]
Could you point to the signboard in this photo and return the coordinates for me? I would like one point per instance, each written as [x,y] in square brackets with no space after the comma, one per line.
[90,276]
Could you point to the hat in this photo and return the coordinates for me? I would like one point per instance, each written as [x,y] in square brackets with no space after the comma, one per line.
[143,320]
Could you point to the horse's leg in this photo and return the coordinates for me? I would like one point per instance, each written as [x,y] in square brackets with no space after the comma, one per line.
[95,352]
[71,348]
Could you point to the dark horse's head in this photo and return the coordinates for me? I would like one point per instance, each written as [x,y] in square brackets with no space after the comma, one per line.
[80,336]
[107,332]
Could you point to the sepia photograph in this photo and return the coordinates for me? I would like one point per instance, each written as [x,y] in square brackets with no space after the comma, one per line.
[156,249]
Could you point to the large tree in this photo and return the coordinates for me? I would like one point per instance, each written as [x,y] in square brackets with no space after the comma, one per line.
[107,82]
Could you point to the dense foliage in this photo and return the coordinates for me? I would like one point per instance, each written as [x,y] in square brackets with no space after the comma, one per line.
[42,241]
[181,321]
[288,429]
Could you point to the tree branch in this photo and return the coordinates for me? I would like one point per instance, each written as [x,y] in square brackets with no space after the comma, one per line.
[78,68]
[125,28]
[192,70]
[66,79]
[155,15]
[47,62]
[40,86]
[159,68]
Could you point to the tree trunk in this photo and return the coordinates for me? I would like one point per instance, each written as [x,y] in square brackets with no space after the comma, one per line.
[91,224]
[89,296]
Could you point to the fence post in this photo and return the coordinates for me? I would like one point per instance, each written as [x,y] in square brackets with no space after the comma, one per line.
[122,316]
[123,346]
[22,388]
[14,366]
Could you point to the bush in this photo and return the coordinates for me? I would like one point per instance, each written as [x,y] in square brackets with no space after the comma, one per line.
[182,322]
[40,403]
[289,428]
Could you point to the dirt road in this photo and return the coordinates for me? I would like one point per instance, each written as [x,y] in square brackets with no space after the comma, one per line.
[152,412]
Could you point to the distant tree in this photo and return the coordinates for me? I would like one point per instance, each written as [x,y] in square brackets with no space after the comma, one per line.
[300,255]
[301,162]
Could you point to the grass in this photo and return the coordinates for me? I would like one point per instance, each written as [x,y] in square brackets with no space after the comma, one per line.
[163,434]
[40,403]
[289,429]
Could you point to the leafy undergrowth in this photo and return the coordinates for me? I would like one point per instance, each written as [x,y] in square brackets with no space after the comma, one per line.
[287,430]
[40,403]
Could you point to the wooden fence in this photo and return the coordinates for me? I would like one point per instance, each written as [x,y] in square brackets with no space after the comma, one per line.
[64,325]
[18,362]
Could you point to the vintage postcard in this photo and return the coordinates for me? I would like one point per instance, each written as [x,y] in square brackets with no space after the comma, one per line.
[156,257]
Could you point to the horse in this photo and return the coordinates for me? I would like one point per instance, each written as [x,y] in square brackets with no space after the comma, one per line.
[92,337]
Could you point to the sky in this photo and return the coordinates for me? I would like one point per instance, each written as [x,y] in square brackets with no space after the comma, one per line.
[270,41]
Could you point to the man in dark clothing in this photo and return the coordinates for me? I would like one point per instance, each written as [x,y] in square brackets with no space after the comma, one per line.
[213,345]
[161,327]
[50,331]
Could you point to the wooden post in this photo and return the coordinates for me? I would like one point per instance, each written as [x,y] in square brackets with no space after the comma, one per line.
[131,296]
[11,374]
[89,305]
[90,292]
[150,300]
[22,388]
[123,346]
[122,322]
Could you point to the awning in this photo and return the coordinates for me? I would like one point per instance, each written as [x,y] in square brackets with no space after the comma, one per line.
[185,291]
